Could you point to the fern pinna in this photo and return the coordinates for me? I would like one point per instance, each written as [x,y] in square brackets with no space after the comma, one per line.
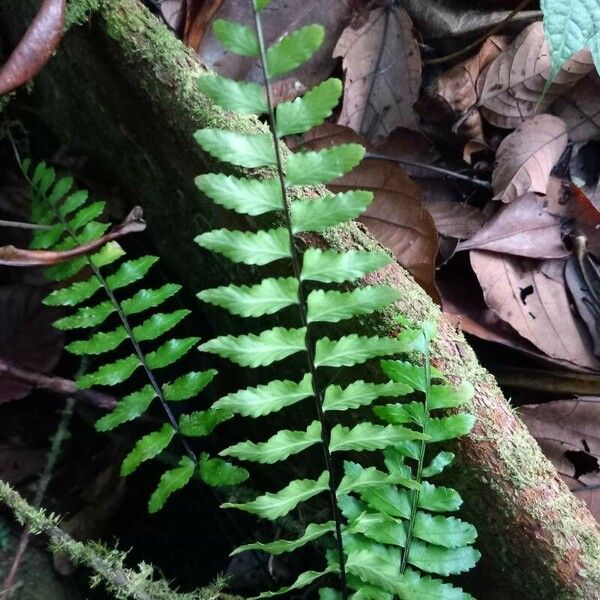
[72,221]
[358,526]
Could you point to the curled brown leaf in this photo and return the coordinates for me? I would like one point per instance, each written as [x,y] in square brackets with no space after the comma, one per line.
[35,48]
[21,257]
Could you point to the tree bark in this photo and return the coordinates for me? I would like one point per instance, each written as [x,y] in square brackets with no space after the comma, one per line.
[121,90]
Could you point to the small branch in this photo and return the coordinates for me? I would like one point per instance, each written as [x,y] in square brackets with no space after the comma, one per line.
[556,382]
[22,225]
[447,172]
[58,385]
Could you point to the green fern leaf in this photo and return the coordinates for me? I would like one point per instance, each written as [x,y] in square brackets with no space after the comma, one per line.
[258,350]
[99,343]
[369,478]
[274,505]
[249,150]
[260,4]
[333,306]
[202,423]
[381,528]
[438,464]
[265,399]
[220,473]
[265,298]
[327,266]
[170,482]
[413,585]
[47,239]
[368,436]
[360,393]
[86,316]
[321,213]
[111,374]
[129,408]
[310,110]
[413,412]
[245,196]
[446,396]
[324,166]
[170,352]
[438,499]
[303,580]
[61,188]
[442,561]
[413,375]
[148,447]
[236,38]
[278,447]
[188,385]
[86,215]
[147,299]
[258,248]
[313,532]
[72,203]
[443,531]
[294,49]
[239,96]
[130,272]
[388,500]
[448,428]
[355,349]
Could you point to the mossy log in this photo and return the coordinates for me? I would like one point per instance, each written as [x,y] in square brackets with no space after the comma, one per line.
[122,90]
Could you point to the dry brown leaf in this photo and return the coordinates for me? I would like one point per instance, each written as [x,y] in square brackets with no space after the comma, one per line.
[198,15]
[458,86]
[512,88]
[568,431]
[35,47]
[523,228]
[282,17]
[526,156]
[396,217]
[22,257]
[579,109]
[535,305]
[455,219]
[382,62]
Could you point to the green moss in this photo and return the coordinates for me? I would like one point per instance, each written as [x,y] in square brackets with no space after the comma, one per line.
[79,11]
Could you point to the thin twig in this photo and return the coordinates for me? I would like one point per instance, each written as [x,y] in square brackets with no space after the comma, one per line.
[447,172]
[57,441]
[479,40]
[22,225]
[58,385]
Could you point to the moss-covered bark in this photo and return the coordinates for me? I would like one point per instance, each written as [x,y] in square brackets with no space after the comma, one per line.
[122,90]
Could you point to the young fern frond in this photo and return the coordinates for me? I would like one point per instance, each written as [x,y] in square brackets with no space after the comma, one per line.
[315,306]
[72,221]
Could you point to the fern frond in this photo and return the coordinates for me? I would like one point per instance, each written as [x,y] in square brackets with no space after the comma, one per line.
[72,221]
[374,514]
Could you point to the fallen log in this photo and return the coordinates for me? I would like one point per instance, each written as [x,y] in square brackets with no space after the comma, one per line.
[121,90]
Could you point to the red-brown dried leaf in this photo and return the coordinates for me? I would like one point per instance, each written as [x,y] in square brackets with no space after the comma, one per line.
[35,48]
[198,15]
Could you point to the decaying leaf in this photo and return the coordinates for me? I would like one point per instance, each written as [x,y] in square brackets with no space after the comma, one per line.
[579,109]
[20,257]
[568,431]
[396,217]
[283,17]
[198,15]
[516,84]
[455,219]
[535,305]
[382,63]
[582,275]
[458,85]
[526,156]
[27,337]
[35,47]
[523,228]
